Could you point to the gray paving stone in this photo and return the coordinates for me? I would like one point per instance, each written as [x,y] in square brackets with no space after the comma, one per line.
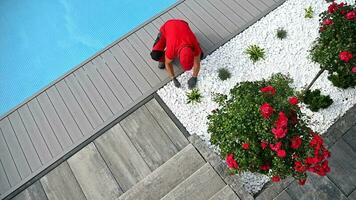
[350,137]
[347,121]
[283,196]
[352,196]
[34,192]
[225,194]
[272,190]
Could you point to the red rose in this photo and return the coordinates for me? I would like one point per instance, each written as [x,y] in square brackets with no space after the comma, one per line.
[345,56]
[231,162]
[269,89]
[316,142]
[246,146]
[353,69]
[276,179]
[299,167]
[265,167]
[328,22]
[311,161]
[302,181]
[275,147]
[279,132]
[343,12]
[351,15]
[281,153]
[342,4]
[293,117]
[282,121]
[326,154]
[332,7]
[264,145]
[266,110]
[296,142]
[293,100]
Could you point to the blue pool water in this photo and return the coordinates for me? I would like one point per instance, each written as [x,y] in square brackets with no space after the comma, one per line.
[41,40]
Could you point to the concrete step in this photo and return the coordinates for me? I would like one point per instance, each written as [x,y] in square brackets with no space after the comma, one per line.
[201,185]
[167,176]
[225,193]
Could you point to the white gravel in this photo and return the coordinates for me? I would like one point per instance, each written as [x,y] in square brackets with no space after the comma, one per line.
[288,56]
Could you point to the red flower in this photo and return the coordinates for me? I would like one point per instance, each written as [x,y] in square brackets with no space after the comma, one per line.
[296,142]
[326,154]
[293,117]
[316,142]
[231,162]
[281,153]
[265,167]
[264,145]
[246,146]
[353,69]
[266,110]
[345,56]
[269,89]
[328,22]
[276,179]
[293,100]
[302,181]
[321,29]
[343,12]
[311,161]
[279,132]
[342,4]
[282,121]
[332,7]
[351,15]
[276,147]
[299,167]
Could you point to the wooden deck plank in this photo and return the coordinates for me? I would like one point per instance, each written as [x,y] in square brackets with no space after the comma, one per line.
[238,10]
[218,16]
[149,139]
[146,71]
[8,163]
[158,22]
[208,18]
[197,21]
[4,183]
[45,128]
[15,149]
[94,96]
[204,41]
[113,83]
[119,72]
[259,4]
[167,124]
[228,12]
[60,184]
[25,141]
[64,114]
[33,192]
[146,38]
[144,52]
[131,70]
[93,176]
[74,107]
[245,7]
[54,121]
[35,134]
[269,3]
[84,101]
[152,30]
[122,157]
[102,88]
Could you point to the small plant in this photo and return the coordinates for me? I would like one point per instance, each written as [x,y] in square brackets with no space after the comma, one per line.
[219,98]
[224,74]
[309,12]
[281,33]
[316,101]
[194,96]
[255,53]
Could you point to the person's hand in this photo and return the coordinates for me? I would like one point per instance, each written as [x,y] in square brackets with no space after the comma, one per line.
[176,82]
[192,82]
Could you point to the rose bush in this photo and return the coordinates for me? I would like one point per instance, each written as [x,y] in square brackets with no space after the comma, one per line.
[335,48]
[260,128]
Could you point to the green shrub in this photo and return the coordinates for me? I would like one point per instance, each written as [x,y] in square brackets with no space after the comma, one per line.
[335,48]
[260,128]
[315,100]
[309,12]
[255,53]
[281,33]
[194,96]
[224,74]
[219,98]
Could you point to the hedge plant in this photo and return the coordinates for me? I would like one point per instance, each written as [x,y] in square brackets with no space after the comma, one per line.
[335,48]
[259,128]
[316,101]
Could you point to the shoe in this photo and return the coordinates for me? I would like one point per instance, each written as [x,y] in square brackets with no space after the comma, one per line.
[176,83]
[161,65]
[192,82]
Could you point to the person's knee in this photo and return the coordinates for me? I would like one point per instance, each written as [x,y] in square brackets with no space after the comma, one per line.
[157,55]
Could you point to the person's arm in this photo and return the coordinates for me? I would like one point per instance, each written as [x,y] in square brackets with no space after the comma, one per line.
[169,67]
[196,66]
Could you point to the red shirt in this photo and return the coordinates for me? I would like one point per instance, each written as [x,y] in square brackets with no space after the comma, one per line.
[175,34]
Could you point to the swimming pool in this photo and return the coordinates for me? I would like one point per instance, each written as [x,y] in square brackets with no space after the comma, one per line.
[41,40]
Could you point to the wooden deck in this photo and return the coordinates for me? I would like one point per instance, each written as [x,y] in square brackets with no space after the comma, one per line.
[76,108]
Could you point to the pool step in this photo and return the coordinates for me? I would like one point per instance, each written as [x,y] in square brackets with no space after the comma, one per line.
[225,193]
